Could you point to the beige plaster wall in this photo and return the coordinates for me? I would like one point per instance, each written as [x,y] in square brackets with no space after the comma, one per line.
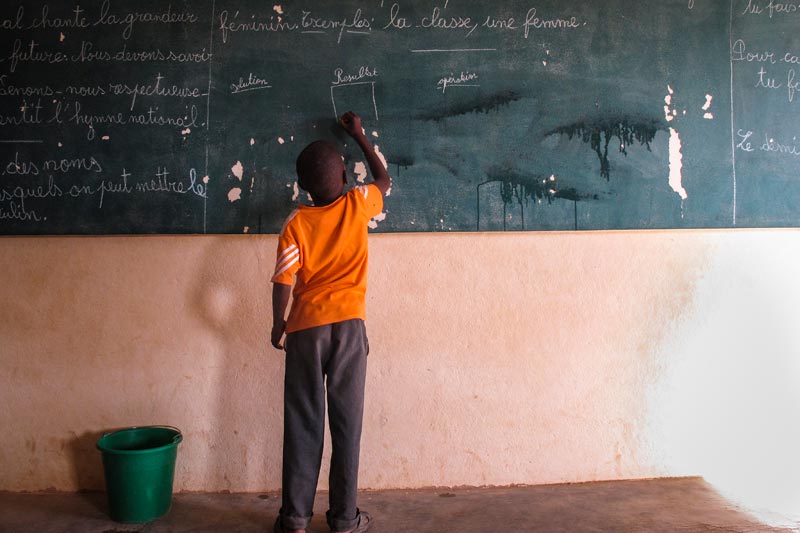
[496,358]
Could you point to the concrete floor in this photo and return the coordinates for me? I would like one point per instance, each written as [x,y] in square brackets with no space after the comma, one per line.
[668,505]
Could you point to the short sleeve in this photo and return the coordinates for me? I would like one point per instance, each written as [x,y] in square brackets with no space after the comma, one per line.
[370,199]
[289,259]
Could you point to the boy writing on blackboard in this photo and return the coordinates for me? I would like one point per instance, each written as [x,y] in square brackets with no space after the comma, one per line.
[325,248]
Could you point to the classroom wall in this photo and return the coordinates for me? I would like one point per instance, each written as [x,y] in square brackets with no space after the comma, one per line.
[496,359]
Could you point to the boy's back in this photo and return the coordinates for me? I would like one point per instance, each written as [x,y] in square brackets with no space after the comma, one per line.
[325,248]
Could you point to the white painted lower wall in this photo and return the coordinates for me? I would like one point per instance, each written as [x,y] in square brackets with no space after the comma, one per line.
[496,359]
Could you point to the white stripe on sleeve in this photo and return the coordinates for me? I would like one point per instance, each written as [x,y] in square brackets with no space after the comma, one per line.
[289,249]
[286,267]
[290,259]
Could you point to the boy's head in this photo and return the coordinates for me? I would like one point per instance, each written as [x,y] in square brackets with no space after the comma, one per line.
[321,171]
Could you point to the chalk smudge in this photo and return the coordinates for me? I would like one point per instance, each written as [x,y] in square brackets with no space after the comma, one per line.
[535,188]
[483,105]
[599,134]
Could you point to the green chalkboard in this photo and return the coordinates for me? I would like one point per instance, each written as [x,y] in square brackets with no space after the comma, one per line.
[122,116]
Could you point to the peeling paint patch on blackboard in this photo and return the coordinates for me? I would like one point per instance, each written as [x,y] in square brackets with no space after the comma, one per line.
[238,170]
[360,170]
[373,224]
[676,164]
[380,156]
[707,106]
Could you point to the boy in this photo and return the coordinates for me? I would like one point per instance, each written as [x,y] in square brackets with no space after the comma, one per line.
[325,246]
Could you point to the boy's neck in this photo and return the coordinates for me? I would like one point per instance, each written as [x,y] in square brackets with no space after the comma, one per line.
[322,202]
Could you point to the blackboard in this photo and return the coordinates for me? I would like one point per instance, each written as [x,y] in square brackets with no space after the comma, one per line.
[122,116]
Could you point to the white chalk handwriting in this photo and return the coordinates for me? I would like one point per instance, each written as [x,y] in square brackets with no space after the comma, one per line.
[464,79]
[106,16]
[340,77]
[771,9]
[154,88]
[34,52]
[437,18]
[16,201]
[775,70]
[252,83]
[767,144]
[310,22]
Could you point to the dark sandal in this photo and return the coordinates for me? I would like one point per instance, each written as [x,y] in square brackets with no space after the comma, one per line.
[364,521]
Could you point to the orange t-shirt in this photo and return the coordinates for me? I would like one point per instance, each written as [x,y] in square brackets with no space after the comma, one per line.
[326,247]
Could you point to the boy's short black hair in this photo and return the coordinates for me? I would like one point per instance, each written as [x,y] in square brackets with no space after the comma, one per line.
[320,170]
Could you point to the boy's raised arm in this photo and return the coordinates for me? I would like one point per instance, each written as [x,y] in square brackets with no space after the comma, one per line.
[352,125]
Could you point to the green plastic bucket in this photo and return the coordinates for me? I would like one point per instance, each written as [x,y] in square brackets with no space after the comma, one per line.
[139,466]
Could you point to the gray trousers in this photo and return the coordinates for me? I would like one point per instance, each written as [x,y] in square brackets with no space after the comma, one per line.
[337,352]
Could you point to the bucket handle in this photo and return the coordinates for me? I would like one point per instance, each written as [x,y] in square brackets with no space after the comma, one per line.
[178,435]
[177,438]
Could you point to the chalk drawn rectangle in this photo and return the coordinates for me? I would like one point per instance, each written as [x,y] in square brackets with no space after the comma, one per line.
[356,97]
